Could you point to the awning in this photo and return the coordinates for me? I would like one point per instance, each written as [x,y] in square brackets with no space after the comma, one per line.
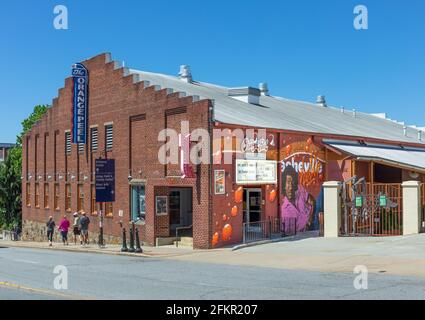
[404,157]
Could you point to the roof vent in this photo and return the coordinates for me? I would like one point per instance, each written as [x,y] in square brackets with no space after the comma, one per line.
[264,89]
[420,135]
[405,131]
[185,74]
[246,94]
[321,101]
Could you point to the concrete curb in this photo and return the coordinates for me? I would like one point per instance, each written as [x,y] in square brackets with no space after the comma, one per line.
[259,243]
[115,253]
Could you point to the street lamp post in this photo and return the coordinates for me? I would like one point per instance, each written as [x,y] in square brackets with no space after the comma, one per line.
[101,241]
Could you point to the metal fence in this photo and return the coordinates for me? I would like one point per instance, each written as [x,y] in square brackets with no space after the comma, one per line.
[269,229]
[423,207]
[372,210]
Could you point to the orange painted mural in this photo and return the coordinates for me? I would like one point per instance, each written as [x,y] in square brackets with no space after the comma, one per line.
[302,178]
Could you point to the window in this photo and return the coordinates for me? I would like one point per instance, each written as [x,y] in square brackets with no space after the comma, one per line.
[109,209]
[46,196]
[28,193]
[37,195]
[93,200]
[80,202]
[68,197]
[94,139]
[109,136]
[68,143]
[138,205]
[81,148]
[56,200]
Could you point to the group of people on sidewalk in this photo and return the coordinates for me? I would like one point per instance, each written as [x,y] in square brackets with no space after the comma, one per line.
[80,228]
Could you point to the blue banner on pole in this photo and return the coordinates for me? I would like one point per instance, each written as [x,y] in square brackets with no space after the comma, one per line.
[80,103]
[105,180]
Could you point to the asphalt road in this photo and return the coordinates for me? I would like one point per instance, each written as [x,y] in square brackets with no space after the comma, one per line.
[29,274]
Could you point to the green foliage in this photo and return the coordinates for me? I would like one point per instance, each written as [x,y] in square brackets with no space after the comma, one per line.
[28,123]
[10,175]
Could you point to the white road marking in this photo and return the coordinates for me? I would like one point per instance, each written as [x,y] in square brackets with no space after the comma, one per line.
[25,261]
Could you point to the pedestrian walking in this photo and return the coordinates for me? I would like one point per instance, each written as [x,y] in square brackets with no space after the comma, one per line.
[64,228]
[76,228]
[84,227]
[50,230]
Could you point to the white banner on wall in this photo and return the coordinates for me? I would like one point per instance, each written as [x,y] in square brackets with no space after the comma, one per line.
[256,172]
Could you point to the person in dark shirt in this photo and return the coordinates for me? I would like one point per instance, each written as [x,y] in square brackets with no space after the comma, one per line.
[84,227]
[50,230]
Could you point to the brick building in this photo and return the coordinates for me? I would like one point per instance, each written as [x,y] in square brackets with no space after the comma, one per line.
[4,149]
[306,142]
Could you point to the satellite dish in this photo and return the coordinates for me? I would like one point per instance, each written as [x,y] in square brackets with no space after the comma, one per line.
[413,175]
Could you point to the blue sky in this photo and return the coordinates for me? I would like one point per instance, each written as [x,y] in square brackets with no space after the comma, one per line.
[300,48]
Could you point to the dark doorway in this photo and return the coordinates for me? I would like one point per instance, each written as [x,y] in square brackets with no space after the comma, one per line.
[387,174]
[180,208]
[251,205]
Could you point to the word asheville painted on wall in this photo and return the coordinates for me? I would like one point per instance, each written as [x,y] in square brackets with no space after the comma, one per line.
[301,182]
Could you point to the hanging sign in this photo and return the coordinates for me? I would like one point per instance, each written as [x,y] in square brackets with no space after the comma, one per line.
[359,202]
[383,201]
[185,167]
[105,180]
[80,103]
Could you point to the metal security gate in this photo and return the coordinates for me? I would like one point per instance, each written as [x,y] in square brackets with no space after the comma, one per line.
[423,207]
[371,209]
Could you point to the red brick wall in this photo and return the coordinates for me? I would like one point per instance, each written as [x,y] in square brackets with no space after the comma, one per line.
[114,97]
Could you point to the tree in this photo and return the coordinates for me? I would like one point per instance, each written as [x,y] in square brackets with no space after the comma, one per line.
[10,189]
[11,172]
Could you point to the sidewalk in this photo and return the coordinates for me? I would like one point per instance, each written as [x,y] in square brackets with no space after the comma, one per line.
[148,252]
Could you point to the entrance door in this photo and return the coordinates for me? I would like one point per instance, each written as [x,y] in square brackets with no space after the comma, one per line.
[252,205]
[180,207]
[138,204]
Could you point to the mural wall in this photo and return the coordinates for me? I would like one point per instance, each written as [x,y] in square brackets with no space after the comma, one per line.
[297,196]
[302,178]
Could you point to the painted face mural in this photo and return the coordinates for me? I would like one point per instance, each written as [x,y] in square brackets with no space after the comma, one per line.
[301,184]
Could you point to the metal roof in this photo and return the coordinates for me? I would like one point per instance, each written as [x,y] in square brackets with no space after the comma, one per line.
[285,114]
[412,158]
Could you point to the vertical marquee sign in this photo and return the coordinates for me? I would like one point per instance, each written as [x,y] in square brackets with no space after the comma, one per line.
[80,103]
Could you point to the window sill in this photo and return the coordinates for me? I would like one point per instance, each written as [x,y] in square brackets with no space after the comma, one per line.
[94,214]
[110,215]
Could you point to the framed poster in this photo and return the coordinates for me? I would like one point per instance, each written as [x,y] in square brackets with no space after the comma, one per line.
[161,205]
[219,181]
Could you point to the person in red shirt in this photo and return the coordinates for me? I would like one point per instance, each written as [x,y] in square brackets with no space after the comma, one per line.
[63,228]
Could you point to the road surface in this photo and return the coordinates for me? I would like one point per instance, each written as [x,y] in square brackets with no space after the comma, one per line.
[29,274]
